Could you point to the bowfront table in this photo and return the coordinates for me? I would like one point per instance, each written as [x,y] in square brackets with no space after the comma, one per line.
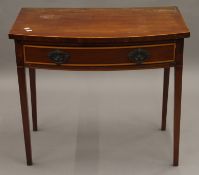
[90,39]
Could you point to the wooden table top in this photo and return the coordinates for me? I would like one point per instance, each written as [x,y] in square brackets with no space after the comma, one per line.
[99,24]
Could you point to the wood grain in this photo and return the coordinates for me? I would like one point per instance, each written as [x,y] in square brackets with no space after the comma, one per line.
[99,39]
[99,56]
[99,24]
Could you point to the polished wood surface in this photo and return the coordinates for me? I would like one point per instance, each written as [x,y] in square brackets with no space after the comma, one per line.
[177,100]
[99,56]
[21,73]
[100,39]
[24,112]
[81,25]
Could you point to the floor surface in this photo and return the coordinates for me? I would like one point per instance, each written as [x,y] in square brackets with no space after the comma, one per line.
[100,123]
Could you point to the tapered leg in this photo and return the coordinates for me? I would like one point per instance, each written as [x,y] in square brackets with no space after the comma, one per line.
[24,111]
[165,97]
[177,113]
[33,97]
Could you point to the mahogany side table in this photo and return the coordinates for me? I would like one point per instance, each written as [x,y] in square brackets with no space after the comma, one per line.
[99,39]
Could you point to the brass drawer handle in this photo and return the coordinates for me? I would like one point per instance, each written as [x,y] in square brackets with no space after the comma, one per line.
[58,56]
[138,55]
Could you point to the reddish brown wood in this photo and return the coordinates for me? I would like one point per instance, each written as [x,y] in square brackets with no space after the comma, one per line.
[177,113]
[102,68]
[75,28]
[165,97]
[96,44]
[177,100]
[96,25]
[33,97]
[24,111]
[23,100]
[158,53]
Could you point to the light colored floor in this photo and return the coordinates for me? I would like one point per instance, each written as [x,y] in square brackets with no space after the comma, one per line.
[99,123]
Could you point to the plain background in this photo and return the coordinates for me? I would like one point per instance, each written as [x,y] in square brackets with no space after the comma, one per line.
[99,123]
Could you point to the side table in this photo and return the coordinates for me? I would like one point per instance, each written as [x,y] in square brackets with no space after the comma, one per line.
[99,39]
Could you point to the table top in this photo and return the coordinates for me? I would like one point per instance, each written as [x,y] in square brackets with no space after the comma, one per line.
[99,24]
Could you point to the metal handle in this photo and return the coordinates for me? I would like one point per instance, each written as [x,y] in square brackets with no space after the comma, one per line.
[58,56]
[138,55]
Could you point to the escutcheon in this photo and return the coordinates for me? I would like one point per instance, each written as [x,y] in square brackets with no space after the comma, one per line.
[58,56]
[138,55]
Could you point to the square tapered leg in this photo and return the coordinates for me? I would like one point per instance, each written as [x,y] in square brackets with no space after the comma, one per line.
[165,97]
[24,111]
[177,112]
[33,97]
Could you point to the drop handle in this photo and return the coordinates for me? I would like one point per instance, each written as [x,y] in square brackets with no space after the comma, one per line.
[58,57]
[138,55]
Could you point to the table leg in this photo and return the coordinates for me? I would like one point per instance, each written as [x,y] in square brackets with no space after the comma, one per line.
[33,97]
[24,111]
[165,97]
[177,112]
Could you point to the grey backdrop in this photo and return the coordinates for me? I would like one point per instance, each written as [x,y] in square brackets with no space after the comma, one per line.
[101,122]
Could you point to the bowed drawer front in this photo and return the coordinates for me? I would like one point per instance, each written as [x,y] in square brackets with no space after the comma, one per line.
[99,56]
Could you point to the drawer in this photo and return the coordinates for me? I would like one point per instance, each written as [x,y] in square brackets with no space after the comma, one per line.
[99,56]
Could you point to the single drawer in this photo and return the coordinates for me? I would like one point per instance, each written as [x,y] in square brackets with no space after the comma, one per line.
[99,56]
